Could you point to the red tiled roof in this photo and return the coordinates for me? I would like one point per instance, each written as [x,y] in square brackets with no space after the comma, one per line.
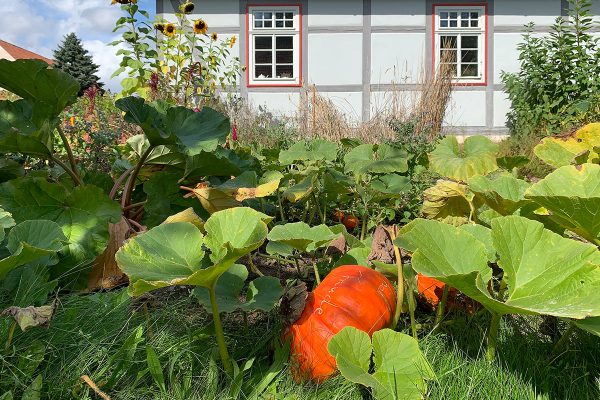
[19,53]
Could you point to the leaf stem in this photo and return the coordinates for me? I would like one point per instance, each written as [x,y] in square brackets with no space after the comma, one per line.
[11,332]
[73,174]
[118,182]
[400,294]
[63,137]
[253,267]
[492,336]
[220,336]
[411,309]
[441,307]
[316,269]
[126,200]
[564,339]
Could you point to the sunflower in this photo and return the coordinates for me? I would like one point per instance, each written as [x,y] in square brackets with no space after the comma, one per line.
[186,7]
[214,36]
[170,30]
[123,2]
[200,26]
[232,41]
[160,27]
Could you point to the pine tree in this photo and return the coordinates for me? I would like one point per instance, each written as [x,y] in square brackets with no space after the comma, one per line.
[72,58]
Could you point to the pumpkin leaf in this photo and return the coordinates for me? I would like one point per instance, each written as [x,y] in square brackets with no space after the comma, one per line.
[301,236]
[159,155]
[401,370]
[263,293]
[504,194]
[572,196]
[579,148]
[476,157]
[32,240]
[301,190]
[306,151]
[10,169]
[448,201]
[172,254]
[375,159]
[83,213]
[212,164]
[546,273]
[165,198]
[592,325]
[34,390]
[511,162]
[19,133]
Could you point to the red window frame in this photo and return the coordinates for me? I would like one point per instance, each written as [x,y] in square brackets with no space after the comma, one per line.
[274,84]
[485,40]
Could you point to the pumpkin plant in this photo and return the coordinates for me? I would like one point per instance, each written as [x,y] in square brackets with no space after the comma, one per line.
[543,273]
[174,254]
[401,370]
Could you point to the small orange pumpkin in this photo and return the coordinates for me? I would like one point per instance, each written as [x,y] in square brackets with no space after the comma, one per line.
[338,216]
[351,295]
[430,289]
[350,222]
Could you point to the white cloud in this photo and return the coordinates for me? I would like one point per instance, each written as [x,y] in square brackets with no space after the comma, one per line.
[107,61]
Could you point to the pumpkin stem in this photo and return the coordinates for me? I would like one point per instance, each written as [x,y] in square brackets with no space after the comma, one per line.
[317,276]
[219,332]
[392,231]
[492,336]
[441,308]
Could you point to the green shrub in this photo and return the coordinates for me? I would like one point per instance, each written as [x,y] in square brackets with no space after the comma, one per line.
[557,86]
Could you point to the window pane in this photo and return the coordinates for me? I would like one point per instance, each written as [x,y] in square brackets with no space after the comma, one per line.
[263,57]
[444,15]
[469,56]
[451,68]
[284,42]
[448,42]
[444,23]
[453,15]
[469,70]
[284,57]
[289,15]
[285,71]
[263,42]
[258,24]
[289,24]
[474,15]
[453,23]
[469,42]
[474,23]
[258,15]
[267,15]
[464,15]
[448,56]
[464,24]
[268,24]
[279,15]
[263,71]
[278,24]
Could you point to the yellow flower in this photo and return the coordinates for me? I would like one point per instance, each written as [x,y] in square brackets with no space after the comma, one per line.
[200,26]
[232,41]
[123,2]
[186,7]
[214,36]
[170,29]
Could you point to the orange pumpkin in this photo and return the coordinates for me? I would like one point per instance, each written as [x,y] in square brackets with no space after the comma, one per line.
[350,222]
[430,289]
[338,216]
[351,295]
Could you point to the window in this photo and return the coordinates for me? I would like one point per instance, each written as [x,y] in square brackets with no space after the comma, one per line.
[460,40]
[274,45]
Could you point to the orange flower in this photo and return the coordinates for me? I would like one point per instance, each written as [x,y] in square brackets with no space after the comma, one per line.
[232,41]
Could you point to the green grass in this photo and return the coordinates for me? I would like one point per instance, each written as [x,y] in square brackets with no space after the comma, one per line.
[88,334]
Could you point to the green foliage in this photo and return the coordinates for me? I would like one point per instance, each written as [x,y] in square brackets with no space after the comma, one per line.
[556,87]
[477,156]
[301,236]
[400,368]
[71,57]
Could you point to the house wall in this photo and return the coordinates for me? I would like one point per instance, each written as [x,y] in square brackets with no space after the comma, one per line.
[357,51]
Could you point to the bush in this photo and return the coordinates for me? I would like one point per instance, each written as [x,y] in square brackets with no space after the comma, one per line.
[557,86]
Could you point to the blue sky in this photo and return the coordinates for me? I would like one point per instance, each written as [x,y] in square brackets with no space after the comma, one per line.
[39,26]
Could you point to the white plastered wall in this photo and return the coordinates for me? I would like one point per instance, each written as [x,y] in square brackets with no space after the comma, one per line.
[335,58]
[398,13]
[397,57]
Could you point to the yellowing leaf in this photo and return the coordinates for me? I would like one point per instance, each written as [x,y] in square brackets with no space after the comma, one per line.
[448,202]
[581,147]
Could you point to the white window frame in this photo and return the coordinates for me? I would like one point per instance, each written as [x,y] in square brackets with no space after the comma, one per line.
[274,32]
[480,31]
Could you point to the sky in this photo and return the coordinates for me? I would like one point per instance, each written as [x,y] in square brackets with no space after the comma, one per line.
[40,25]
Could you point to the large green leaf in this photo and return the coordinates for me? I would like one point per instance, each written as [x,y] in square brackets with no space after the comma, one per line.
[10,169]
[504,194]
[546,273]
[48,90]
[235,232]
[401,370]
[301,189]
[30,241]
[301,236]
[476,157]
[165,198]
[375,159]
[6,221]
[582,146]
[165,255]
[19,133]
[572,195]
[148,117]
[172,253]
[159,155]
[313,150]
[83,213]
[263,293]
[591,325]
[197,131]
